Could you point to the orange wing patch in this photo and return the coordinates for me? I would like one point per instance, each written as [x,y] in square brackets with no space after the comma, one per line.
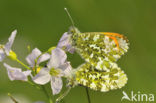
[113,37]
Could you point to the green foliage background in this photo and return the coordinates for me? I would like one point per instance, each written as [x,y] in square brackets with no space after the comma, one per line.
[40,23]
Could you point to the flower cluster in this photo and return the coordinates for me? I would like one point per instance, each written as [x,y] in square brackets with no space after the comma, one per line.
[56,67]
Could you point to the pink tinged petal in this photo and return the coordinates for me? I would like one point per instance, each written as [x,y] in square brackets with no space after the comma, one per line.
[27,73]
[43,58]
[10,42]
[16,73]
[2,55]
[58,57]
[32,56]
[42,77]
[56,85]
[71,49]
[66,42]
[66,69]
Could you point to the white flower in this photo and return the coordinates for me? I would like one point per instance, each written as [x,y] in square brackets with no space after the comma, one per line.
[56,68]
[5,49]
[66,43]
[34,55]
[16,73]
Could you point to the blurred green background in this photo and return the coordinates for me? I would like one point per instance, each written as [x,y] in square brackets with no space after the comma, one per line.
[41,23]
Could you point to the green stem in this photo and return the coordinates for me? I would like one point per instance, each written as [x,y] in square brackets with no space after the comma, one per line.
[88,96]
[22,64]
[46,93]
[31,83]
[12,98]
[63,95]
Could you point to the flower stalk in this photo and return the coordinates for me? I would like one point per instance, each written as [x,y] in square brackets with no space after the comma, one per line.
[46,93]
[12,98]
[88,96]
[22,64]
[63,95]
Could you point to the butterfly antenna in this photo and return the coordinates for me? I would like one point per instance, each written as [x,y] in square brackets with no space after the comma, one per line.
[70,17]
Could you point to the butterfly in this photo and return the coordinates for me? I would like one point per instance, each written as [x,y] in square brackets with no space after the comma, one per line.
[100,50]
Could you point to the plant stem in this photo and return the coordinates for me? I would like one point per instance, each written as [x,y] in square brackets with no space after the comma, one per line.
[12,98]
[88,96]
[22,64]
[36,86]
[46,93]
[63,95]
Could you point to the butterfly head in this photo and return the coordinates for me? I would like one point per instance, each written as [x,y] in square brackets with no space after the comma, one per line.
[73,30]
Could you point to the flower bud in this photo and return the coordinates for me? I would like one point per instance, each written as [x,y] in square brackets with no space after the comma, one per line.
[50,49]
[12,55]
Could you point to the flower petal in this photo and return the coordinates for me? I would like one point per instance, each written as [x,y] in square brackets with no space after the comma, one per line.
[70,49]
[16,73]
[58,57]
[32,56]
[26,73]
[66,42]
[56,85]
[2,55]
[66,69]
[10,42]
[42,77]
[43,58]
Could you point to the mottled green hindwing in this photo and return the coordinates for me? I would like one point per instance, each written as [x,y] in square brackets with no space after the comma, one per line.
[88,76]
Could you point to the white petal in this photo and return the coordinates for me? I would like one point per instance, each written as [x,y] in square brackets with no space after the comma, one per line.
[10,42]
[66,42]
[58,57]
[66,69]
[32,56]
[42,77]
[19,75]
[2,55]
[70,49]
[16,73]
[43,58]
[28,72]
[56,85]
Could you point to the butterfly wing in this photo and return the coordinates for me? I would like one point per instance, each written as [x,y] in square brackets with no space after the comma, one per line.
[100,48]
[88,76]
